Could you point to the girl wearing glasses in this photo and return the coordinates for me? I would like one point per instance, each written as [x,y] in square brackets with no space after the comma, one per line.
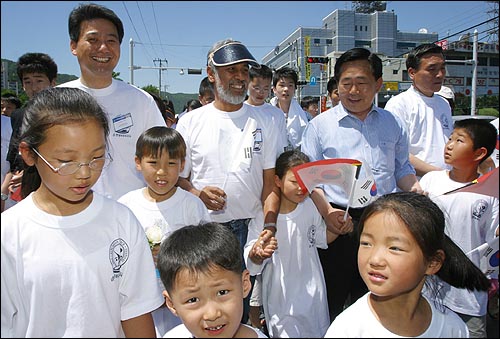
[74,263]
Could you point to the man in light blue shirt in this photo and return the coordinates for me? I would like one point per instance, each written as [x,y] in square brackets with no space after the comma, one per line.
[357,129]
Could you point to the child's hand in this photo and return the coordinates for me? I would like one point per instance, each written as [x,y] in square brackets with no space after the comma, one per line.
[264,247]
[336,223]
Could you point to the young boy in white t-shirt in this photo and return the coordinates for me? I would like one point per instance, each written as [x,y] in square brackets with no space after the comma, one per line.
[161,207]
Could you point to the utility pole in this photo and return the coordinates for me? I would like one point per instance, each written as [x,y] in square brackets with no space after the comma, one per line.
[474,75]
[131,60]
[132,67]
[159,70]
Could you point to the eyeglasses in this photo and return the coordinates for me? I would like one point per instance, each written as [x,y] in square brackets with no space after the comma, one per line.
[72,167]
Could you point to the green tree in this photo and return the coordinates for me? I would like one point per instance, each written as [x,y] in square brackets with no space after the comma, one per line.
[369,7]
[116,75]
[150,89]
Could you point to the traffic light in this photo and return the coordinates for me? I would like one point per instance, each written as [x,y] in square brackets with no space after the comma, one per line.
[194,70]
[317,60]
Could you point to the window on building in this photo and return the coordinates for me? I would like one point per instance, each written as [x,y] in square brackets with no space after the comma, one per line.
[356,28]
[394,71]
[405,76]
[329,41]
[316,41]
[493,61]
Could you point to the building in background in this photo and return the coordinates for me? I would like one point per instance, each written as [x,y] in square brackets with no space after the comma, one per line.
[313,52]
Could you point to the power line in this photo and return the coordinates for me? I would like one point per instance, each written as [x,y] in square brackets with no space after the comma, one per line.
[133,26]
[144,24]
[157,30]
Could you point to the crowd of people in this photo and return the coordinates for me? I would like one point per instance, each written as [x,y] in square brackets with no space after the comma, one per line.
[122,219]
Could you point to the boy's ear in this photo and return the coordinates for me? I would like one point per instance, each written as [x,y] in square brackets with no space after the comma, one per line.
[480,153]
[27,153]
[137,163]
[246,283]
[169,303]
[183,162]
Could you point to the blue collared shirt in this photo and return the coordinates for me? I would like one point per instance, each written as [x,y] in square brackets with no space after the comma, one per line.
[379,142]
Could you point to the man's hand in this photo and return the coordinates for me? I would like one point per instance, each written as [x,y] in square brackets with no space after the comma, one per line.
[213,197]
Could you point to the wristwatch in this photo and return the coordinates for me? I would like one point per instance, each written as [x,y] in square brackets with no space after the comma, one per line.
[4,197]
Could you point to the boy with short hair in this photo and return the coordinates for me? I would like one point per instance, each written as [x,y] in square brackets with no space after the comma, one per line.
[472,217]
[310,105]
[202,270]
[206,91]
[37,71]
[259,89]
[333,91]
[161,207]
[285,82]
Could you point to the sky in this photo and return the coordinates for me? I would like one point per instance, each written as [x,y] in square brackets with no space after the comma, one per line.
[182,32]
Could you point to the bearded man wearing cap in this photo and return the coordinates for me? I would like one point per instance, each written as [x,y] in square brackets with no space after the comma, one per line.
[232,147]
[427,116]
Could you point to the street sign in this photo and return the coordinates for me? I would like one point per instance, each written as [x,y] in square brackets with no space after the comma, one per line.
[312,81]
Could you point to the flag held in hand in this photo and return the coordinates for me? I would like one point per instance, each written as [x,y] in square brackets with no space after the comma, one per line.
[486,184]
[339,172]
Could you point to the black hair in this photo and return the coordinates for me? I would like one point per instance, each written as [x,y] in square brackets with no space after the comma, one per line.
[415,56]
[199,249]
[157,139]
[206,87]
[285,73]
[307,101]
[51,107]
[11,98]
[482,133]
[359,53]
[331,85]
[426,222]
[90,11]
[263,72]
[289,159]
[192,104]
[36,63]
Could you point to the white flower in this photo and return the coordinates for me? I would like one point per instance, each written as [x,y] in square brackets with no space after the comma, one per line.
[154,234]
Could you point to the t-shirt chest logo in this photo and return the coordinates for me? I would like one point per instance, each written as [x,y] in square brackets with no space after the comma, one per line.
[122,123]
[118,256]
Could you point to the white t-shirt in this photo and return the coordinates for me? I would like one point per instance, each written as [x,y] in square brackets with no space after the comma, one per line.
[358,321]
[471,220]
[293,285]
[130,111]
[278,120]
[181,209]
[6,133]
[74,276]
[217,142]
[296,122]
[495,155]
[182,332]
[428,122]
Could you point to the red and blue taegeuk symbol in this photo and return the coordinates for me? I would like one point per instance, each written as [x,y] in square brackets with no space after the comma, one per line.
[494,259]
